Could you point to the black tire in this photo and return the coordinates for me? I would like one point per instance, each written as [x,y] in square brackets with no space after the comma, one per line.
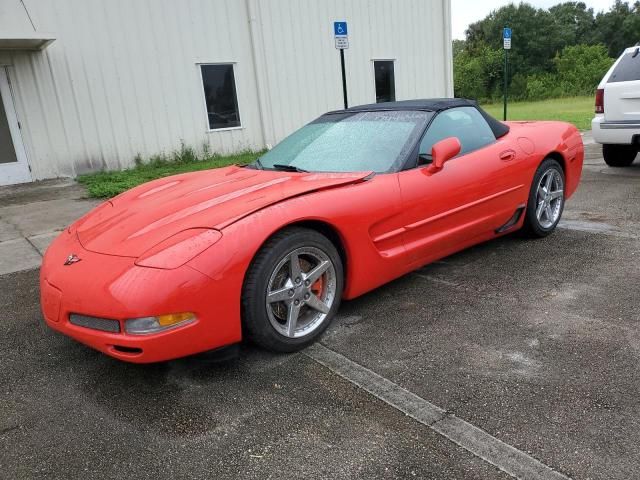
[533,226]
[619,155]
[257,326]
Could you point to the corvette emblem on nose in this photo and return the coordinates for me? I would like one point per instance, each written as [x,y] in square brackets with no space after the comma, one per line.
[71,259]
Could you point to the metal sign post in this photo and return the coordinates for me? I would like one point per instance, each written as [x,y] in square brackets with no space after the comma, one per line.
[506,39]
[342,43]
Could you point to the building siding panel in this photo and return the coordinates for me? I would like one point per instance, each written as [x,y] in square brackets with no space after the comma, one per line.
[122,79]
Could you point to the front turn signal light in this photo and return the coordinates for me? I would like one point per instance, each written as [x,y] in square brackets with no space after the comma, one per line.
[148,325]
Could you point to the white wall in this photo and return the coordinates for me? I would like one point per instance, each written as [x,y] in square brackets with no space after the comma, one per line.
[303,66]
[122,77]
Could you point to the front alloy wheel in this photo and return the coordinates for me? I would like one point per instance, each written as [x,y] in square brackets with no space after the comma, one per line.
[292,290]
[301,291]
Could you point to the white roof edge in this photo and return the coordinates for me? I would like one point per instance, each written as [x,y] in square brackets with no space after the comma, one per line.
[26,41]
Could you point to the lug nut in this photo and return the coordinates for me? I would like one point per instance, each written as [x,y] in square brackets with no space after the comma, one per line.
[306,297]
[297,302]
[291,292]
[298,280]
[307,283]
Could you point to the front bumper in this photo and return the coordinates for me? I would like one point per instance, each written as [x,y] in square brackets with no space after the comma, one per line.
[619,133]
[112,287]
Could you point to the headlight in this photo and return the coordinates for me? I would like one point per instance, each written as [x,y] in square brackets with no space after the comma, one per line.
[179,249]
[147,325]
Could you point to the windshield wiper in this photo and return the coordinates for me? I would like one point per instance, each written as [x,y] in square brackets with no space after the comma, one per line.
[257,165]
[288,168]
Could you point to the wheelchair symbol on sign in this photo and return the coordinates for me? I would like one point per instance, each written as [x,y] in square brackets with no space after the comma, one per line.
[340,29]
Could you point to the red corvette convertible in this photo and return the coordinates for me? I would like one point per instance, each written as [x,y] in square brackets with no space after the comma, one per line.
[354,199]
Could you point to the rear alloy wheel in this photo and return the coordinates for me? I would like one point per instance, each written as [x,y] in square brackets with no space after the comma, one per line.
[292,291]
[546,199]
[619,155]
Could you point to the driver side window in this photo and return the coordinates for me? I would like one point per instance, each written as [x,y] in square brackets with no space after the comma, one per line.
[465,123]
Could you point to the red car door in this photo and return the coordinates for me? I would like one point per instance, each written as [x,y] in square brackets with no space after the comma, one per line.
[472,196]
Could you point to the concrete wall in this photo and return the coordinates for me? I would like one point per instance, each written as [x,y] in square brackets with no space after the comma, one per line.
[123,79]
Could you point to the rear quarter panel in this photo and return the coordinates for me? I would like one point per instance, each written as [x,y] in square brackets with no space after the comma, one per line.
[559,140]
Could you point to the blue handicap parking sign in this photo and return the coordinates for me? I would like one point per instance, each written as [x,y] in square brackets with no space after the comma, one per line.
[506,33]
[340,29]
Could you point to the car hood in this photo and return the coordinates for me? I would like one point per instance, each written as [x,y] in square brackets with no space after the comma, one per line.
[131,223]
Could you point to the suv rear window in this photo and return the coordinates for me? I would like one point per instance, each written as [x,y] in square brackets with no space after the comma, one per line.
[628,69]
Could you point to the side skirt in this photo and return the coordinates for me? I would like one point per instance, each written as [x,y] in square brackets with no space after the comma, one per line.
[515,218]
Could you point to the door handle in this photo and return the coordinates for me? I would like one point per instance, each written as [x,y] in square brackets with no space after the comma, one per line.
[508,155]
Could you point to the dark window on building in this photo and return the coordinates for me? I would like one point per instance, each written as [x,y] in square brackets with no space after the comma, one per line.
[385,81]
[220,96]
[627,70]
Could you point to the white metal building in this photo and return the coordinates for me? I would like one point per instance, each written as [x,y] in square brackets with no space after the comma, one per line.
[89,84]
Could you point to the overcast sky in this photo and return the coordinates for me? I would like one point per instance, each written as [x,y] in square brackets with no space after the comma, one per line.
[465,12]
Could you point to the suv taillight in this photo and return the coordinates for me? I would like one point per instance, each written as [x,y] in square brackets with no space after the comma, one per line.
[600,100]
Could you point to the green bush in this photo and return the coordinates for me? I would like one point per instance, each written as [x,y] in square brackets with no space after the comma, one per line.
[186,159]
[468,77]
[518,87]
[560,51]
[475,75]
[542,86]
[536,88]
[576,71]
[581,67]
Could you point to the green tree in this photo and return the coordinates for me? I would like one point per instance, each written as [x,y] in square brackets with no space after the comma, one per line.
[477,74]
[631,26]
[541,86]
[618,28]
[458,47]
[574,23]
[533,45]
[564,50]
[581,67]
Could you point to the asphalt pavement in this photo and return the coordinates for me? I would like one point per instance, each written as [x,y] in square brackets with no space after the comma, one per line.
[529,348]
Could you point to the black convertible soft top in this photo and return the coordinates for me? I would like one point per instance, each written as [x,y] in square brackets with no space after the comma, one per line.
[432,105]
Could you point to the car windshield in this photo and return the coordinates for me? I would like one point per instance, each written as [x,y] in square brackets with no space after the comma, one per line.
[349,142]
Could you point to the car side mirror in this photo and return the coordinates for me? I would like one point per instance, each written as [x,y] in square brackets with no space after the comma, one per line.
[442,151]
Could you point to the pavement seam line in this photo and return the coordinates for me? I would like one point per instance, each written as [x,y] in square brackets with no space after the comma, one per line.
[507,458]
[34,247]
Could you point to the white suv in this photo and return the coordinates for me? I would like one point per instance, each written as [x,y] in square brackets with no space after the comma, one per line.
[617,122]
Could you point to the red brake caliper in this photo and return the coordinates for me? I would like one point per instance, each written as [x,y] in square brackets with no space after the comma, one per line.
[317,287]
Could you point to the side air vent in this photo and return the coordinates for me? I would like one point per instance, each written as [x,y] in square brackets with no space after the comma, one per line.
[515,218]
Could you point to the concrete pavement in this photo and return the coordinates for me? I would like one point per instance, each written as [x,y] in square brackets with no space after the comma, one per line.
[519,354]
[32,215]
